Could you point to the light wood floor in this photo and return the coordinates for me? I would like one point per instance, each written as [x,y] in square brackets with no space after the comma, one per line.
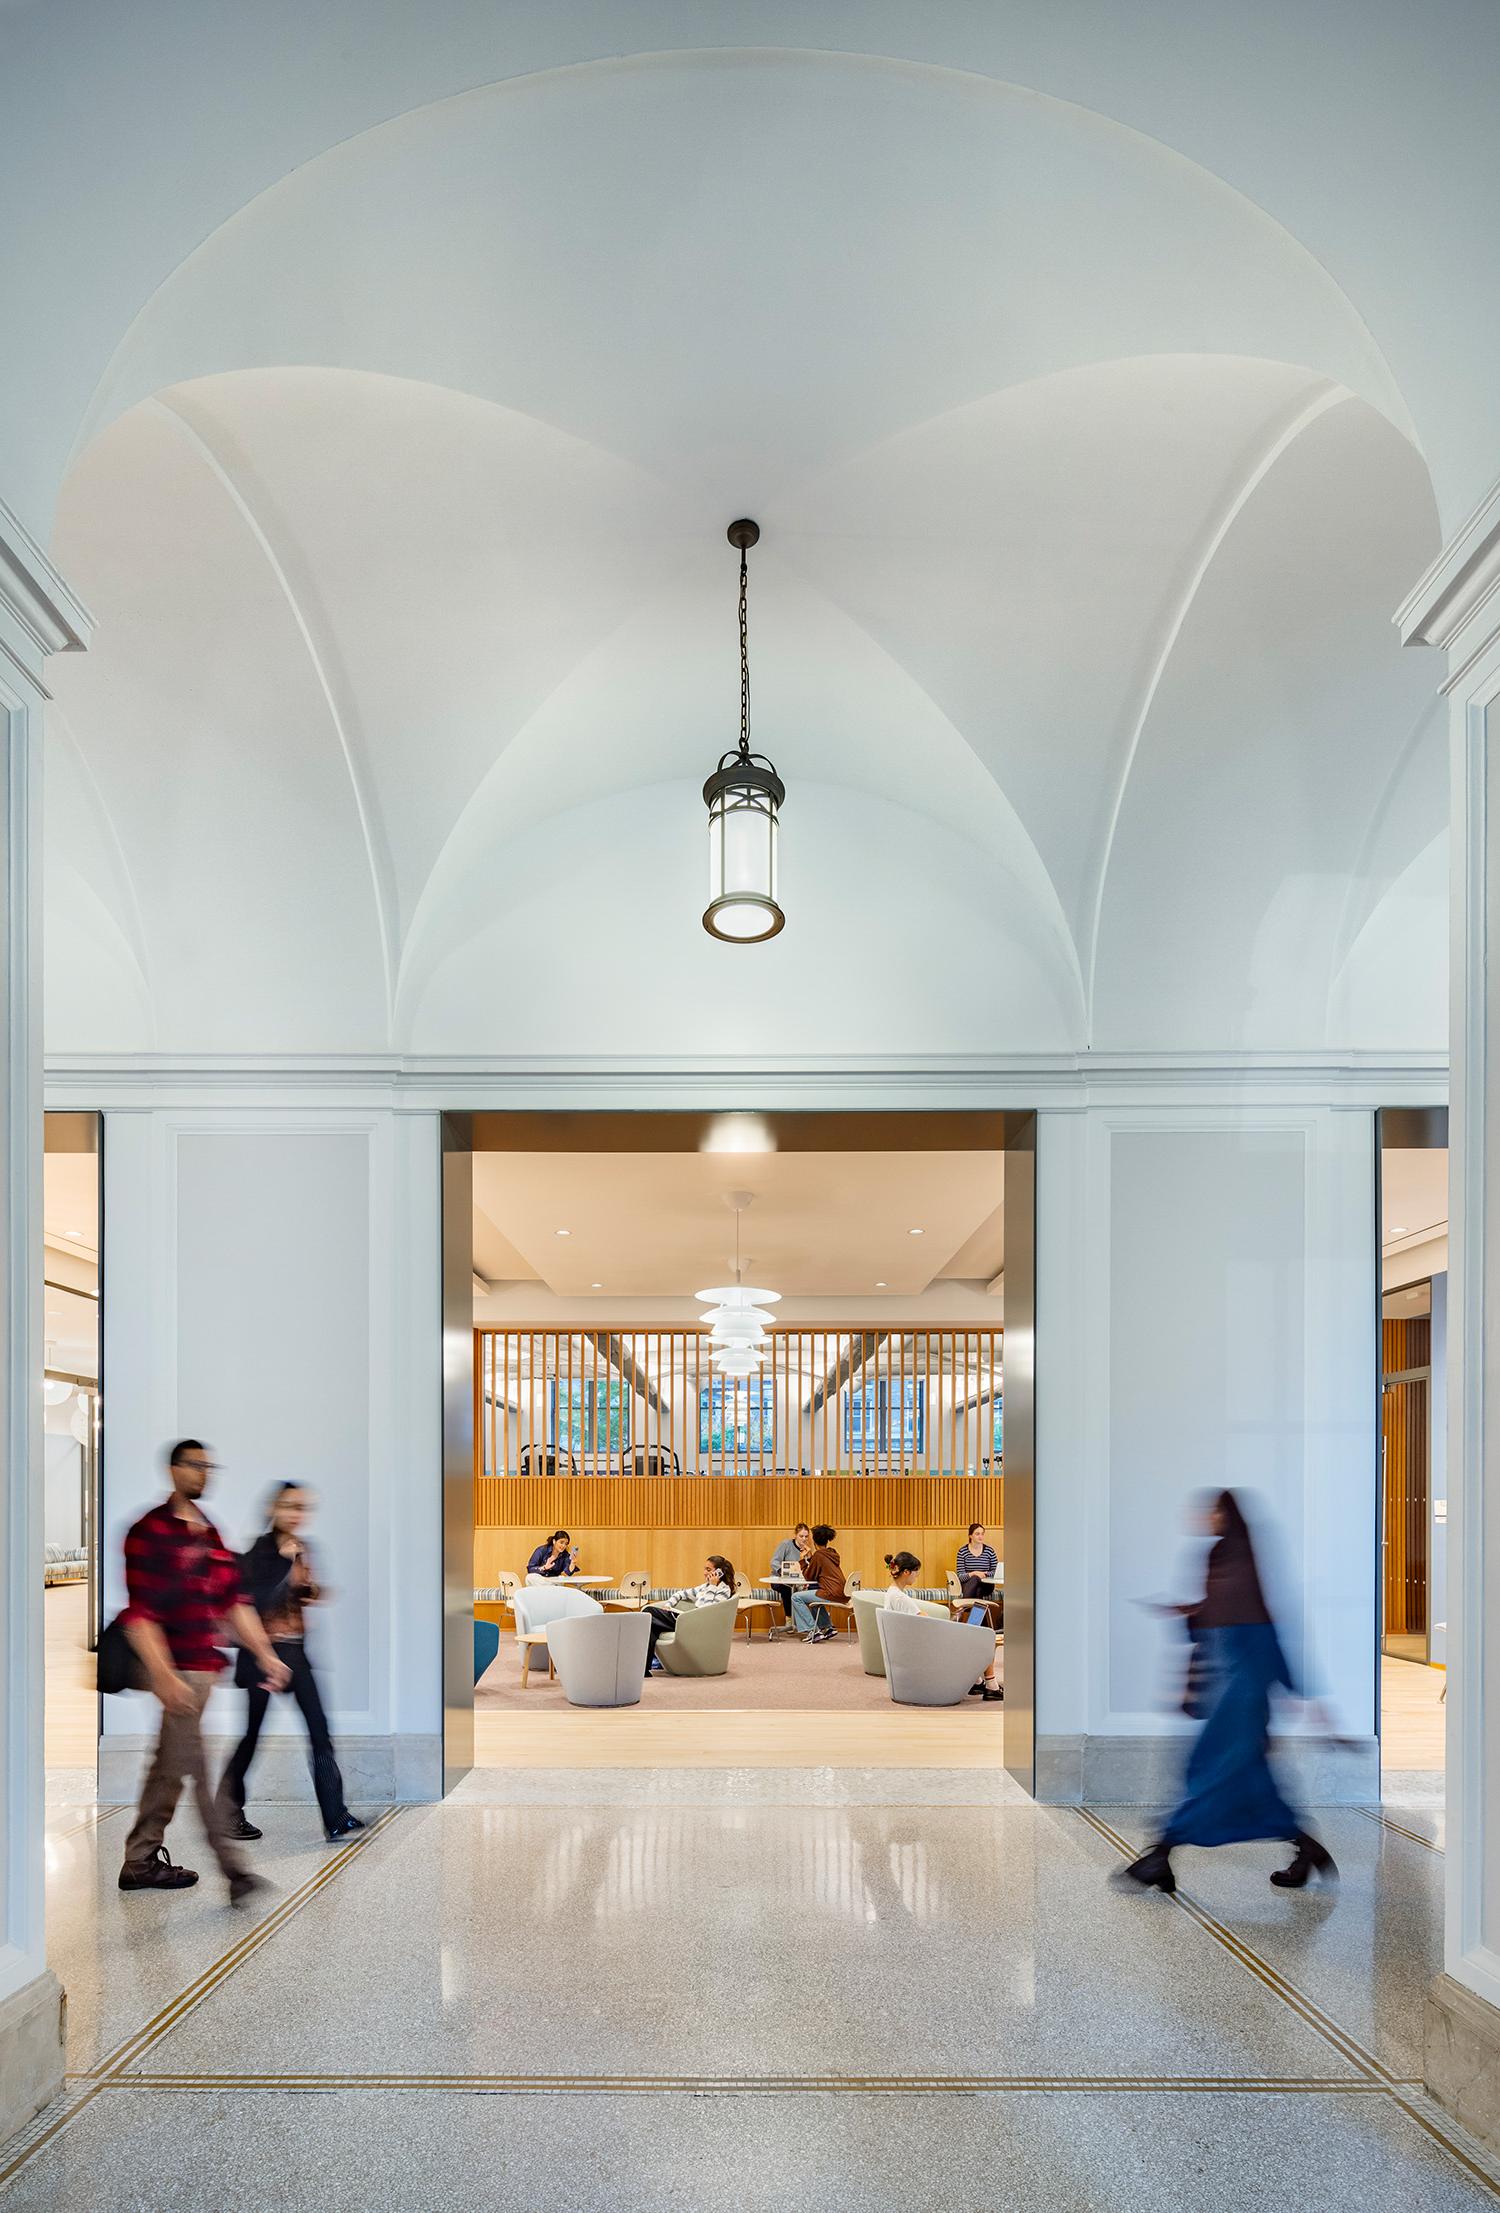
[634,1736]
[1412,1715]
[72,1707]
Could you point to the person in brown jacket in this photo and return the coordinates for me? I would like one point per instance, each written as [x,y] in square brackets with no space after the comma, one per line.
[825,1579]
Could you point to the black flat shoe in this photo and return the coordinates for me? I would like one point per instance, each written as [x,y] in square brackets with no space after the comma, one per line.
[346,1827]
[976,1690]
[992,1697]
[243,1831]
[1153,1870]
[1312,1858]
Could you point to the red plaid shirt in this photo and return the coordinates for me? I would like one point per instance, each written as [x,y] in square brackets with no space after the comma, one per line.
[183,1576]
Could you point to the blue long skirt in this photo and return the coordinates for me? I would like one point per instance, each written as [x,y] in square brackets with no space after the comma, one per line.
[1229,1794]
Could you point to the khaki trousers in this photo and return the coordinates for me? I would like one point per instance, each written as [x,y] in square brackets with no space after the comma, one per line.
[180,1758]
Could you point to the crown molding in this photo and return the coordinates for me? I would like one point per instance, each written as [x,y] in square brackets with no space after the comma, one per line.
[1059,1081]
[1456,605]
[43,613]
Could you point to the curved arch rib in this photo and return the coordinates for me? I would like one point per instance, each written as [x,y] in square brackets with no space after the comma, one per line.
[1329,396]
[382,874]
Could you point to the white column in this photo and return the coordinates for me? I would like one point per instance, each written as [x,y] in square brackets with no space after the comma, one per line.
[1206,1302]
[1456,608]
[38,617]
[271,1284]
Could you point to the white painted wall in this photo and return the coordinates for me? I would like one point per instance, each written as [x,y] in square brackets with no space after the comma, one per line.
[1206,1286]
[271,1285]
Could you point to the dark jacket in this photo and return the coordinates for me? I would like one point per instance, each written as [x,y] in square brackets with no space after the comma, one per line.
[823,1572]
[542,1562]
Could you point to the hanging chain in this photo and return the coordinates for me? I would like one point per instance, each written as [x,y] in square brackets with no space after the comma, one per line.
[744,657]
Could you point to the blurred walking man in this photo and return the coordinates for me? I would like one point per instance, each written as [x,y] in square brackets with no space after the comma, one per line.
[185,1595]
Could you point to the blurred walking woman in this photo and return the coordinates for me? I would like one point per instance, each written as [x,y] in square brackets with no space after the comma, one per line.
[279,1574]
[1229,1793]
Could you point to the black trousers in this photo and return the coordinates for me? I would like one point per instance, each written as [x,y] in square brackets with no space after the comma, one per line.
[327,1781]
[663,1622]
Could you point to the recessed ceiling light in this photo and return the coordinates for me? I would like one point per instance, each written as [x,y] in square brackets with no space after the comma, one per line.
[1398,1229]
[596,1287]
[882,1287]
[914,1233]
[562,1233]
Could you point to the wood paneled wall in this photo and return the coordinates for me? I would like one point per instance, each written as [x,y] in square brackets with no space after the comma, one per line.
[1406,1345]
[663,1526]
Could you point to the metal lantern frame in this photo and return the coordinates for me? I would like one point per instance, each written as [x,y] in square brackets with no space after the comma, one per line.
[744,797]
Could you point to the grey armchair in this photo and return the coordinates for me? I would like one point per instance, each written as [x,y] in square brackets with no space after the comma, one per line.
[700,1643]
[600,1658]
[868,1605]
[932,1663]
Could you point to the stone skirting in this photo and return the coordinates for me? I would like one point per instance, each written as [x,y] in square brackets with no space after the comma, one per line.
[31,2050]
[1145,1771]
[1461,2057]
[378,1771]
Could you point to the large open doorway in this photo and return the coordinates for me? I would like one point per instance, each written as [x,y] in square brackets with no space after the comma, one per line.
[1412,1579]
[71,1433]
[890,1400]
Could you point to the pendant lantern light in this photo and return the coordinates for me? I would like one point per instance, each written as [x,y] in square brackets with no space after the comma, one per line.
[744,797]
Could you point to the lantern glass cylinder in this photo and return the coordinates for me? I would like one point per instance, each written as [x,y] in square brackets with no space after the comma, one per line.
[744,799]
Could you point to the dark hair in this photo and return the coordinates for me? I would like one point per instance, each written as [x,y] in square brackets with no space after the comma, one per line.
[278,1492]
[725,1568]
[558,1536]
[182,1448]
[902,1563]
[975,1525]
[823,1534]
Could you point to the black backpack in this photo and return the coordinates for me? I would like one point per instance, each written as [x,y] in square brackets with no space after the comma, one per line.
[120,1666]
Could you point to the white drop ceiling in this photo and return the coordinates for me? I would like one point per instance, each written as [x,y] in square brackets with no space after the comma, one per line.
[659,1224]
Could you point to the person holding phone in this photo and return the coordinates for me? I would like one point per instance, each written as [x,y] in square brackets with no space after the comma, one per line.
[555,1555]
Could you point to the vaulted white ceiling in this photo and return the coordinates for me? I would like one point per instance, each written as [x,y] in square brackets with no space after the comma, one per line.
[1086,495]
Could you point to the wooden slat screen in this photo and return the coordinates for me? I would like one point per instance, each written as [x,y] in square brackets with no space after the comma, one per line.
[1406,1346]
[610,1403]
[889,1435]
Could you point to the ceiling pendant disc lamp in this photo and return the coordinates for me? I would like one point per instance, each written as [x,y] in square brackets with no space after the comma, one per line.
[744,797]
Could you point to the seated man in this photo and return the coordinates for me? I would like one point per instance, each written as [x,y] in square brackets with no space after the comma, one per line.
[788,1559]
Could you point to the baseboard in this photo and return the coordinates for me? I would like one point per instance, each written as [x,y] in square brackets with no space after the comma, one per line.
[1147,1771]
[378,1771]
[32,2022]
[1461,2057]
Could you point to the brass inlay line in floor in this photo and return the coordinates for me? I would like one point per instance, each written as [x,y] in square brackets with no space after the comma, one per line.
[1398,2091]
[134,2046]
[1383,1820]
[94,1817]
[1348,2046]
[889,2085]
[39,2132]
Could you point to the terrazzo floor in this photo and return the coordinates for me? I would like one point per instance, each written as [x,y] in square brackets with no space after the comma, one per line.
[692,2005]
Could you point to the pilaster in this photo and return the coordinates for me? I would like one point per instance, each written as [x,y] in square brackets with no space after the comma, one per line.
[1456,608]
[38,617]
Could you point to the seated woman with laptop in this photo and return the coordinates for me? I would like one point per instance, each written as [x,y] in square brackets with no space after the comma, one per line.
[904,1569]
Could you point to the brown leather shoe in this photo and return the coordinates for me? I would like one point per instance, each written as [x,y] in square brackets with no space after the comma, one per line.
[242,1888]
[157,1873]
